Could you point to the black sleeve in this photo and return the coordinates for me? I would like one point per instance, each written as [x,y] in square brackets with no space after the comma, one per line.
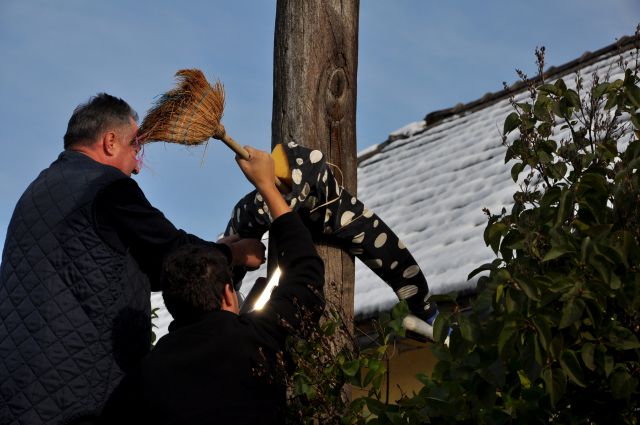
[298,296]
[124,406]
[126,220]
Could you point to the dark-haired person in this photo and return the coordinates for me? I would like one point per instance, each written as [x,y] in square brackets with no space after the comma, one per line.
[216,366]
[83,250]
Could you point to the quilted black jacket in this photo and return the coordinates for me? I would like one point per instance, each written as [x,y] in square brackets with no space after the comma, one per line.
[74,312]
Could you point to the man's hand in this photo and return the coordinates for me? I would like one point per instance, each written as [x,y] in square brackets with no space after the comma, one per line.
[245,252]
[260,170]
[227,240]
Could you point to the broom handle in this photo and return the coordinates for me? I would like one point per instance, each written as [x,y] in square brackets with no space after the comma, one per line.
[235,146]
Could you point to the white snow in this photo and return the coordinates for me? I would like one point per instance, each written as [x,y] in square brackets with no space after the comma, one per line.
[409,129]
[368,150]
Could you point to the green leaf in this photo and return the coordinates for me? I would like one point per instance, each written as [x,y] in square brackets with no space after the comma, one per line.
[593,182]
[511,122]
[351,367]
[633,94]
[571,312]
[376,407]
[549,89]
[525,382]
[602,266]
[572,98]
[524,106]
[612,100]
[616,85]
[622,338]
[622,244]
[494,373]
[561,108]
[541,108]
[557,345]
[600,90]
[483,268]
[369,377]
[584,249]
[621,384]
[550,197]
[441,328]
[400,310]
[514,300]
[423,378]
[560,85]
[545,129]
[588,355]
[374,364]
[608,364]
[555,384]
[571,366]
[544,332]
[507,335]
[548,145]
[528,287]
[614,281]
[555,252]
[330,328]
[516,170]
[513,240]
[301,386]
[544,157]
[493,234]
[499,293]
[564,206]
[557,170]
[466,329]
[594,310]
[395,418]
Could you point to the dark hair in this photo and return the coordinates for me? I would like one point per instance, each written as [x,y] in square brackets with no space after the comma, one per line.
[100,113]
[193,280]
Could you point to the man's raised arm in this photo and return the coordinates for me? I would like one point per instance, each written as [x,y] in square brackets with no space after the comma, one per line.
[299,294]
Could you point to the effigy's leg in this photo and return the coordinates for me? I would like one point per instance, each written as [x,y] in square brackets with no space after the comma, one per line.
[364,234]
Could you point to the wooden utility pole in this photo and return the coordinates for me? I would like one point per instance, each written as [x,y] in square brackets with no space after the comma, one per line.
[314,103]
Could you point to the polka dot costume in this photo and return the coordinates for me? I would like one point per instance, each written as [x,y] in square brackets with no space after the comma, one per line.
[335,216]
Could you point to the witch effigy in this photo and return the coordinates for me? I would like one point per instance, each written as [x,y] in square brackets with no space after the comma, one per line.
[191,113]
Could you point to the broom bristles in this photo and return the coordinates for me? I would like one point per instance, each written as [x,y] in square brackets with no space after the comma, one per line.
[189,114]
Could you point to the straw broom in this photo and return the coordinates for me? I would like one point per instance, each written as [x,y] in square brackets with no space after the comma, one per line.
[189,114]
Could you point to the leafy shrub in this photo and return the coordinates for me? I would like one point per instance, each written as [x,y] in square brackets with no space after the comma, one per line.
[552,336]
[318,394]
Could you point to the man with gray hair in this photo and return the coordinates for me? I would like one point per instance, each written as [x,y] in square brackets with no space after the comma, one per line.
[84,248]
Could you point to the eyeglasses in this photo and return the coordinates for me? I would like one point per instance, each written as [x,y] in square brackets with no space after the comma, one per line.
[138,149]
[137,146]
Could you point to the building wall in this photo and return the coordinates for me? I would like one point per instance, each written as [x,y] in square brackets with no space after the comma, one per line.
[407,359]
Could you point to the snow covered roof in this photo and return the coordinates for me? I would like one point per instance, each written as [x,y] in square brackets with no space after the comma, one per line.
[431,180]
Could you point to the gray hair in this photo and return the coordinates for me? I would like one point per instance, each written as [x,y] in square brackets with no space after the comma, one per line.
[91,119]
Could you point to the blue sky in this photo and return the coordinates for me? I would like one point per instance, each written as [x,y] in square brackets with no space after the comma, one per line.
[414,57]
